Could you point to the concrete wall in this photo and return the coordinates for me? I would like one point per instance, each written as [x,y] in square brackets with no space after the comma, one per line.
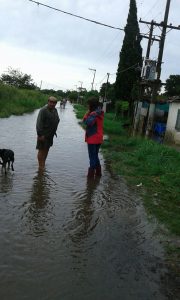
[138,106]
[172,135]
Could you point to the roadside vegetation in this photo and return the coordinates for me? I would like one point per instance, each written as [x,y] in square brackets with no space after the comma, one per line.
[153,169]
[15,101]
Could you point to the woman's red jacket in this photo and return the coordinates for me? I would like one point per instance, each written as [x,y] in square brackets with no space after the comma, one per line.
[94,126]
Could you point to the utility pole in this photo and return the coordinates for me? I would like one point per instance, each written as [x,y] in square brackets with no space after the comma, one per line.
[105,94]
[150,40]
[94,70]
[163,36]
[155,85]
[80,89]
[40,85]
[81,85]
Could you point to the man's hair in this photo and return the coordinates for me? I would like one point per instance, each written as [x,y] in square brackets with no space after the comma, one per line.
[52,98]
[93,103]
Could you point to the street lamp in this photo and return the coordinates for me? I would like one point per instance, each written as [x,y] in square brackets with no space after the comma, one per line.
[94,70]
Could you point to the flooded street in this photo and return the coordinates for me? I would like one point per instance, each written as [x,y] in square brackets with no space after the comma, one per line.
[63,238]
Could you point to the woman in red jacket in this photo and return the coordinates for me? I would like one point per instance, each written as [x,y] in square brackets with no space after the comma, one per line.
[93,120]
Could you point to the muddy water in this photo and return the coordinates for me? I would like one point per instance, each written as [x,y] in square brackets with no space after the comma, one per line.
[63,238]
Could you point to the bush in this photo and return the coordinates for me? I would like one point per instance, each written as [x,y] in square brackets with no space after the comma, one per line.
[121,108]
[18,101]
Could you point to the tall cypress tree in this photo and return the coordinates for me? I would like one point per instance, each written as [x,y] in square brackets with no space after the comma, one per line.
[130,57]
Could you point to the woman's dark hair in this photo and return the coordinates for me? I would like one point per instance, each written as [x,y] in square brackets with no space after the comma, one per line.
[93,103]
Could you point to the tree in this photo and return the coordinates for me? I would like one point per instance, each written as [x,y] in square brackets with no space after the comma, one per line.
[92,93]
[130,58]
[49,92]
[172,86]
[104,88]
[18,79]
[108,89]
[72,95]
[60,93]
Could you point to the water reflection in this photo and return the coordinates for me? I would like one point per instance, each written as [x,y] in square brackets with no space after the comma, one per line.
[6,182]
[83,220]
[39,207]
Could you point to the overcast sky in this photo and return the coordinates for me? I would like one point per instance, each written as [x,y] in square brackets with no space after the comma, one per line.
[59,49]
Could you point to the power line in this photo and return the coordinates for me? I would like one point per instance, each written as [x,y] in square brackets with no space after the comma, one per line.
[108,50]
[153,6]
[102,79]
[73,15]
[131,67]
[150,10]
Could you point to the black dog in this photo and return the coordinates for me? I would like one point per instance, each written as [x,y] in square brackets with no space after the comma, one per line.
[7,157]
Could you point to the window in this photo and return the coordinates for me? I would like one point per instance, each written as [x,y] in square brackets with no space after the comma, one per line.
[178,121]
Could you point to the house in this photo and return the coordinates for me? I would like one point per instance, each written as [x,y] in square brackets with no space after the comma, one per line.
[164,119]
[173,121]
[151,118]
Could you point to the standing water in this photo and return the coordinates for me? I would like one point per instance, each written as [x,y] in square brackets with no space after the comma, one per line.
[63,238]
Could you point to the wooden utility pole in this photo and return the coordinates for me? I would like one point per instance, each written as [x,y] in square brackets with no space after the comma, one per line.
[150,41]
[105,94]
[155,85]
[162,41]
[150,37]
[40,85]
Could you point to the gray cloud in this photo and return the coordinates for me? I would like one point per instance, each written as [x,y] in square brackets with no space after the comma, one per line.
[39,29]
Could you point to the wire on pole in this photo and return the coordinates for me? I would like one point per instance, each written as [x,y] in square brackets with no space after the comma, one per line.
[77,16]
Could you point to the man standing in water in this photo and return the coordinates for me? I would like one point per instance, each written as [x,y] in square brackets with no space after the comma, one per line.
[46,126]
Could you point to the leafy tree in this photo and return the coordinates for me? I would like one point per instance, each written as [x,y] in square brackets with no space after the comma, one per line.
[104,88]
[49,92]
[130,58]
[92,93]
[72,95]
[172,86]
[108,89]
[60,93]
[18,79]
[121,108]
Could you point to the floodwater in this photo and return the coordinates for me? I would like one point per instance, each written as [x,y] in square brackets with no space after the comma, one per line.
[63,238]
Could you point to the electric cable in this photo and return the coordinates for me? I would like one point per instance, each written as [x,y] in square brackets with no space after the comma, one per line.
[131,67]
[77,16]
[102,79]
[107,51]
[154,5]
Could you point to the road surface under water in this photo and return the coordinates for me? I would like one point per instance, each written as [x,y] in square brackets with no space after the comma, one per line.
[63,238]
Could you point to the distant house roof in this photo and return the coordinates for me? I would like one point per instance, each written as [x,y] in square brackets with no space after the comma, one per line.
[174,99]
[160,101]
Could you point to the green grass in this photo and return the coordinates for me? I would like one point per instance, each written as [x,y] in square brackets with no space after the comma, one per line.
[15,101]
[80,110]
[157,167]
[112,126]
